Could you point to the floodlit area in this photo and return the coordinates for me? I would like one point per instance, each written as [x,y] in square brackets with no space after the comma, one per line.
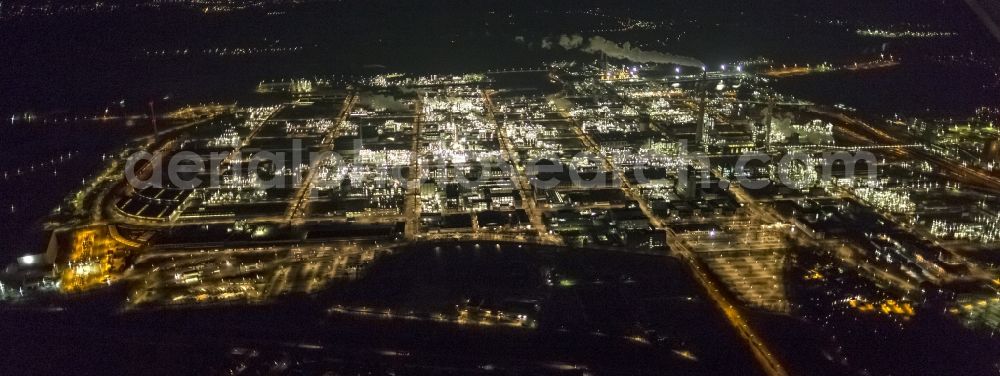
[621,158]
[742,185]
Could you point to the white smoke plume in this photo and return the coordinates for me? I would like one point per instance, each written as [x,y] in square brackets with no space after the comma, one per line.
[387,102]
[570,42]
[597,44]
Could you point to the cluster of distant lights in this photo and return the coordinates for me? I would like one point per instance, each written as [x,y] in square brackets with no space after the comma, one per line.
[385,157]
[645,157]
[532,136]
[317,126]
[229,138]
[206,283]
[459,140]
[892,200]
[453,105]
[722,68]
[813,128]
[238,51]
[628,25]
[51,8]
[397,79]
[751,62]
[904,33]
[250,180]
[255,117]
[378,183]
[54,8]
[982,229]
[608,125]
[218,197]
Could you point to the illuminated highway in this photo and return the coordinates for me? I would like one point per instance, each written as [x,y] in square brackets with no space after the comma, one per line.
[524,187]
[411,204]
[300,204]
[761,352]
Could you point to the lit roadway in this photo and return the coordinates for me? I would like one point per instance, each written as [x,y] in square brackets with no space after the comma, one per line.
[769,364]
[253,133]
[524,187]
[411,202]
[630,191]
[764,356]
[300,203]
[761,352]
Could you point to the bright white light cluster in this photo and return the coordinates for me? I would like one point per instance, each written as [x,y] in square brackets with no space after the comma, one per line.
[221,197]
[529,135]
[229,138]
[453,104]
[798,174]
[608,125]
[315,126]
[886,199]
[983,229]
[904,33]
[249,180]
[384,157]
[348,128]
[814,132]
[256,115]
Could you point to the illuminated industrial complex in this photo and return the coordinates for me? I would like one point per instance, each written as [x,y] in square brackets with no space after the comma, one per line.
[711,167]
